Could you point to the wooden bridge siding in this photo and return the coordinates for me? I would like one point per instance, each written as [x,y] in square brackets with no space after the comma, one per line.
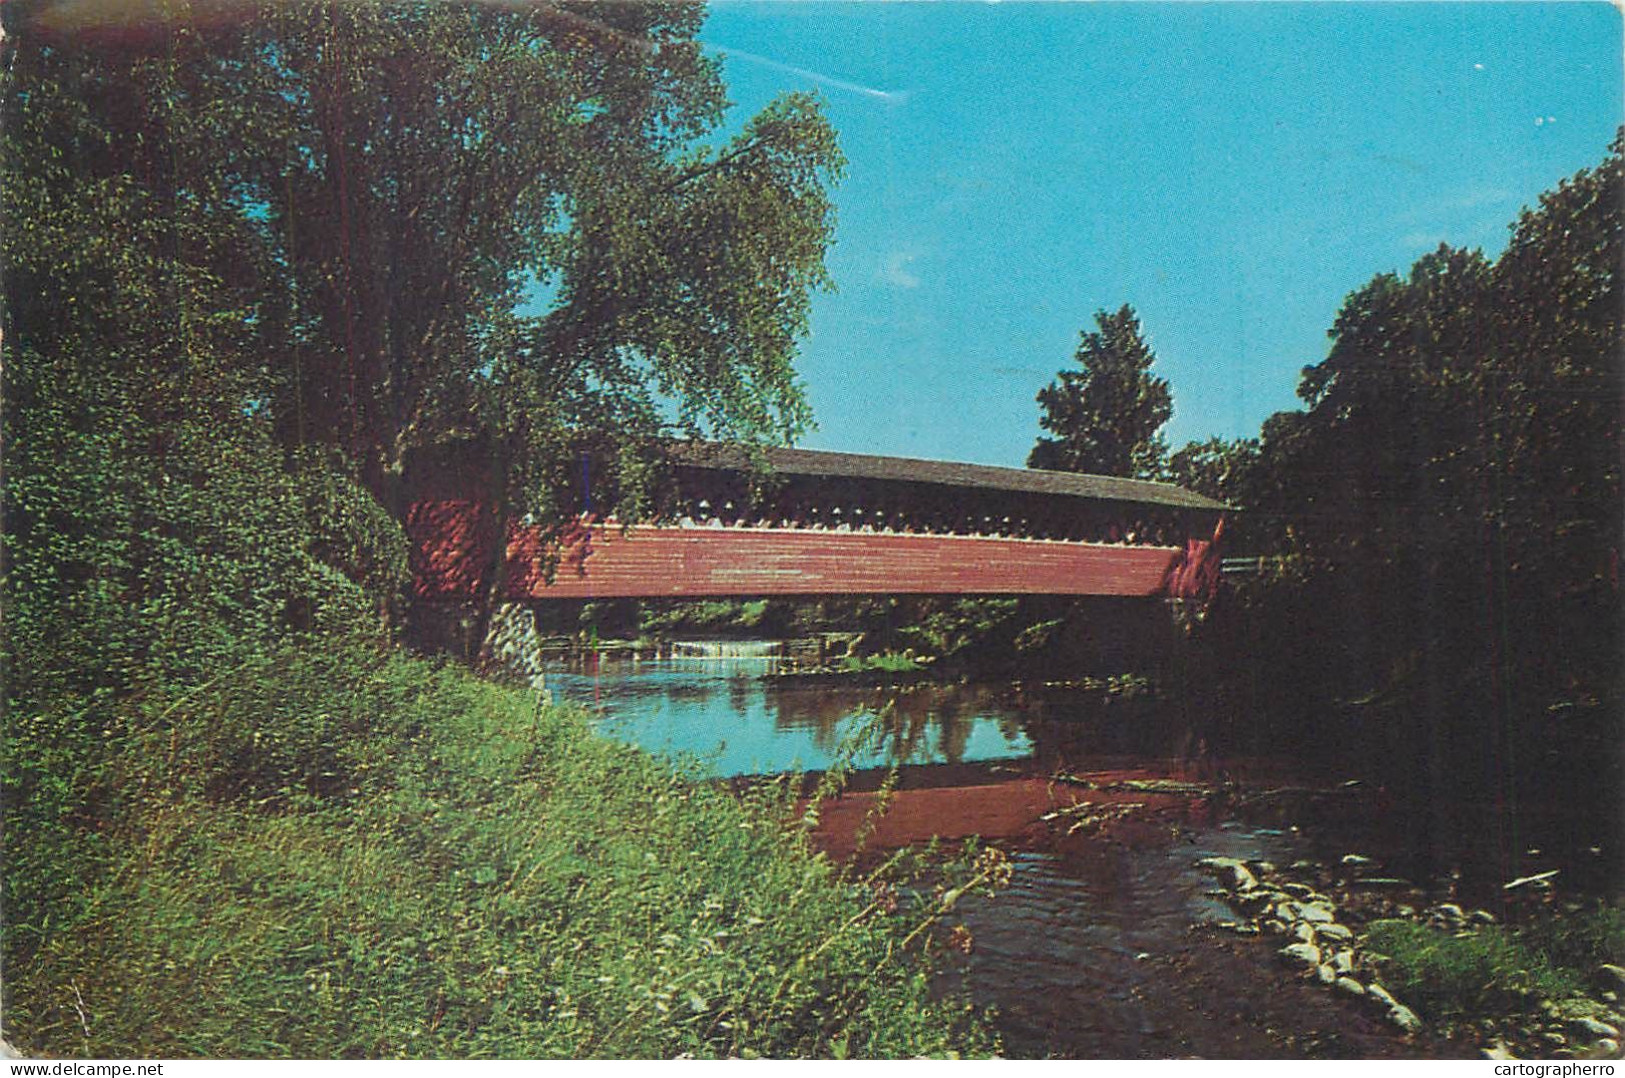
[654,562]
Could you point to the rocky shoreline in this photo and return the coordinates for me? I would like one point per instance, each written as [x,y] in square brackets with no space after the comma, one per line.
[1316,913]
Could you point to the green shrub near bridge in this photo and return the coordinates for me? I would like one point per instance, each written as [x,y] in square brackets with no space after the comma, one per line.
[343,852]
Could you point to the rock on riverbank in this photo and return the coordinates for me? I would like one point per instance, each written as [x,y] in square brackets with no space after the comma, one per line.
[1321,947]
[1316,942]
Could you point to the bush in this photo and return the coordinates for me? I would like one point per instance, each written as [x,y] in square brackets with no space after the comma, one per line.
[347,853]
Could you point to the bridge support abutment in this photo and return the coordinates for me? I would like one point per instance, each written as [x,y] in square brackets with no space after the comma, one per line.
[510,647]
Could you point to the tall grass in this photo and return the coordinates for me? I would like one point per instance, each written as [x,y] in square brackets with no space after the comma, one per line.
[1496,969]
[889,662]
[348,853]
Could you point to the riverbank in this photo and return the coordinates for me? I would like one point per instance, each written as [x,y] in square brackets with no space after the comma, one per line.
[1159,912]
[349,853]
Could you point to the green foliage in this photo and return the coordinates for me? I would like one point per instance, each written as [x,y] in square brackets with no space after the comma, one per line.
[1219,468]
[713,615]
[1581,941]
[1490,971]
[1107,415]
[424,221]
[892,662]
[1446,512]
[251,263]
[948,629]
[338,852]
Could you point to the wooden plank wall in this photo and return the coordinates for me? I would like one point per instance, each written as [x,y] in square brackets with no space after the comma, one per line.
[451,558]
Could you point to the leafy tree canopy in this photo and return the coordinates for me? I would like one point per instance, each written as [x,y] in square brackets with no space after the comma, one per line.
[257,254]
[1456,472]
[1106,416]
[389,188]
[1218,467]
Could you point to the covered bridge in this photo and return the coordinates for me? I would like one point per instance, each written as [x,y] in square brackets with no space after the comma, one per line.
[758,522]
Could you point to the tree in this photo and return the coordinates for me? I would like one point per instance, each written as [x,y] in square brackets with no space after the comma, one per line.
[1218,467]
[1450,505]
[152,524]
[511,225]
[1106,415]
[510,222]
[1559,411]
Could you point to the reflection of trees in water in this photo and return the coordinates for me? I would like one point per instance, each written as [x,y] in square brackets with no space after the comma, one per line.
[908,716]
[740,692]
[1071,725]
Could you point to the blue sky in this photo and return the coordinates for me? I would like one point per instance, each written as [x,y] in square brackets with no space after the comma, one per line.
[1233,171]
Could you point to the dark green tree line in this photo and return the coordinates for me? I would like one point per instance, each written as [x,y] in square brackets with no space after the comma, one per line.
[1445,518]
[1458,461]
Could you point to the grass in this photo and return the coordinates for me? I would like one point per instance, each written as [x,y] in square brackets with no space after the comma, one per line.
[891,662]
[1495,970]
[344,853]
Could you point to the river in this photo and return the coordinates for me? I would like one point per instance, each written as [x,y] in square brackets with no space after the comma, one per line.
[1103,944]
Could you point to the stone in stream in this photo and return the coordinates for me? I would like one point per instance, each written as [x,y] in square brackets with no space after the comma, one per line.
[1540,881]
[1405,1018]
[1590,1027]
[1606,1048]
[1274,926]
[1304,954]
[1240,928]
[1611,977]
[1233,872]
[1325,974]
[1334,931]
[1316,913]
[1343,962]
[1377,992]
[1252,902]
[1303,932]
[1349,987]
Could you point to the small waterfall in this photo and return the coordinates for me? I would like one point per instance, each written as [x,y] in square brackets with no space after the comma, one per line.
[728,649]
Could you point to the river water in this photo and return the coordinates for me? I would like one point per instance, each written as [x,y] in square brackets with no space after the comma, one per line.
[1102,946]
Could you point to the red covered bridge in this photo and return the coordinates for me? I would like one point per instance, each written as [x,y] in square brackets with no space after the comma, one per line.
[799,522]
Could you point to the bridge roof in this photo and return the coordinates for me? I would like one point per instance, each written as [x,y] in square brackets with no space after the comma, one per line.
[810,462]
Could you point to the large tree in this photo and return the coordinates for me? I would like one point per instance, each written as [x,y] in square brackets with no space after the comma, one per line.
[1107,414]
[257,254]
[517,222]
[1449,501]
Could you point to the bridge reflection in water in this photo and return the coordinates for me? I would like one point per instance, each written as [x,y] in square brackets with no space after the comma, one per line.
[818,523]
